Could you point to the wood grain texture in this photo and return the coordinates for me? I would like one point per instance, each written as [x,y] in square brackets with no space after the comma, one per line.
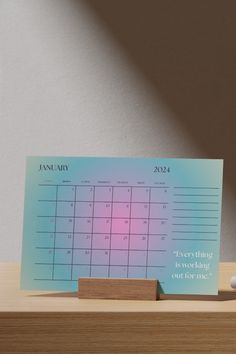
[118,289]
[108,333]
[41,322]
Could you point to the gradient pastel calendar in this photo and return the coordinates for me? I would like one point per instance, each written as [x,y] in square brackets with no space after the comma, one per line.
[151,218]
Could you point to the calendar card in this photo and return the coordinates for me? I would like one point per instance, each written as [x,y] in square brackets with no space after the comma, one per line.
[155,218]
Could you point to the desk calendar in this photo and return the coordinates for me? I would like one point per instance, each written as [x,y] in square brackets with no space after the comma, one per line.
[122,217]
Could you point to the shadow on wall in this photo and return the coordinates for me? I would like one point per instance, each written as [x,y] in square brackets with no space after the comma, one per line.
[187,51]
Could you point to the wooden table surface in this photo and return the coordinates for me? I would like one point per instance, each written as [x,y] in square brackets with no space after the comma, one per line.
[53,322]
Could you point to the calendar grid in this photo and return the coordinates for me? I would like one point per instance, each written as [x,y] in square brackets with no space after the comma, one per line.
[98,217]
[55,233]
[91,250]
[98,233]
[130,208]
[99,264]
[101,249]
[103,185]
[149,199]
[73,236]
[99,201]
[74,226]
[109,263]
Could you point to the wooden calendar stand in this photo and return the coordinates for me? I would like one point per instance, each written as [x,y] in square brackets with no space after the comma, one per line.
[118,289]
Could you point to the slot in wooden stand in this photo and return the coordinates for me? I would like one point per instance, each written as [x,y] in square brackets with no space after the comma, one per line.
[118,289]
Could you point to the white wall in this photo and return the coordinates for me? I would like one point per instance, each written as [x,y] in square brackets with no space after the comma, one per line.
[67,88]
